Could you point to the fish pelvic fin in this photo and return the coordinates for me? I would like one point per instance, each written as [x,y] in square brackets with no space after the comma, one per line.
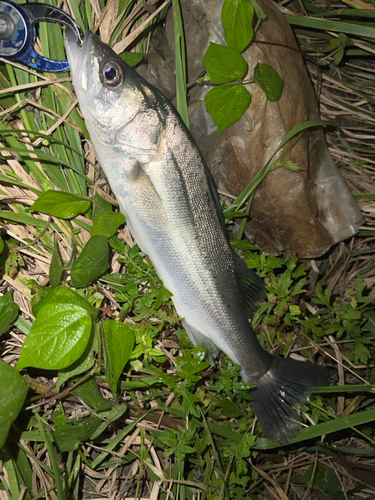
[286,384]
[196,336]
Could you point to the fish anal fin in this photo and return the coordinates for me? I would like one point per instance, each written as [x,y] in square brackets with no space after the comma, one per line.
[253,287]
[197,337]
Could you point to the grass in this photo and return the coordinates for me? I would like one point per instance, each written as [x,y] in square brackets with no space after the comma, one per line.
[178,427]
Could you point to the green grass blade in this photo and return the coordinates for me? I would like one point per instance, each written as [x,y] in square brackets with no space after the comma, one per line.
[345,388]
[180,52]
[10,467]
[116,440]
[298,129]
[31,166]
[327,25]
[53,459]
[22,219]
[319,430]
[4,179]
[47,159]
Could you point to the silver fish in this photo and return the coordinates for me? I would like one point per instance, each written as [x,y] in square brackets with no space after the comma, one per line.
[172,208]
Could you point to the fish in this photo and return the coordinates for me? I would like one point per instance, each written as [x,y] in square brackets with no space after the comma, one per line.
[165,190]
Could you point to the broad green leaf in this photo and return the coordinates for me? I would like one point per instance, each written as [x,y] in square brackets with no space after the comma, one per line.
[100,205]
[131,58]
[60,204]
[118,346]
[226,104]
[2,246]
[56,268]
[224,64]
[237,19]
[13,391]
[8,312]
[84,363]
[64,295]
[107,223]
[57,338]
[269,80]
[90,393]
[92,262]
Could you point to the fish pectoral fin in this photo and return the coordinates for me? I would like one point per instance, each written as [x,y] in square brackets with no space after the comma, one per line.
[197,337]
[253,288]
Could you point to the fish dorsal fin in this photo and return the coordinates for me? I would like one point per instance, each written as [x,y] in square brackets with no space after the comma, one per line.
[252,285]
[215,195]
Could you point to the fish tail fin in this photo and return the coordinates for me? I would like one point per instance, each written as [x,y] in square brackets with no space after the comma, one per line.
[287,383]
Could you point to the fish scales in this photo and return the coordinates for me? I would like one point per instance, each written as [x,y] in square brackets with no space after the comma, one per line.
[166,192]
[190,236]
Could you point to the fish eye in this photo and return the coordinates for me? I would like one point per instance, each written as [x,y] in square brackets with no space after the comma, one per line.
[112,73]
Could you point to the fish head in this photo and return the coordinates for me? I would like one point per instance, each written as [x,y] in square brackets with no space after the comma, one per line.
[119,107]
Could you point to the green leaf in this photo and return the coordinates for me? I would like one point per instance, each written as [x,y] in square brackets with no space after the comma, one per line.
[226,104]
[109,416]
[57,338]
[290,165]
[83,364]
[92,262]
[224,64]
[295,310]
[118,346]
[60,204]
[100,205]
[229,409]
[361,352]
[68,436]
[90,393]
[107,223]
[56,268]
[131,58]
[2,246]
[13,391]
[269,80]
[237,19]
[259,13]
[64,295]
[8,312]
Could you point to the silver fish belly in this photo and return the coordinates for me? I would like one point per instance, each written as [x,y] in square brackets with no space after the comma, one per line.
[166,192]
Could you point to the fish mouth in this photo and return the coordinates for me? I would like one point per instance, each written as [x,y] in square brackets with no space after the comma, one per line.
[81,59]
